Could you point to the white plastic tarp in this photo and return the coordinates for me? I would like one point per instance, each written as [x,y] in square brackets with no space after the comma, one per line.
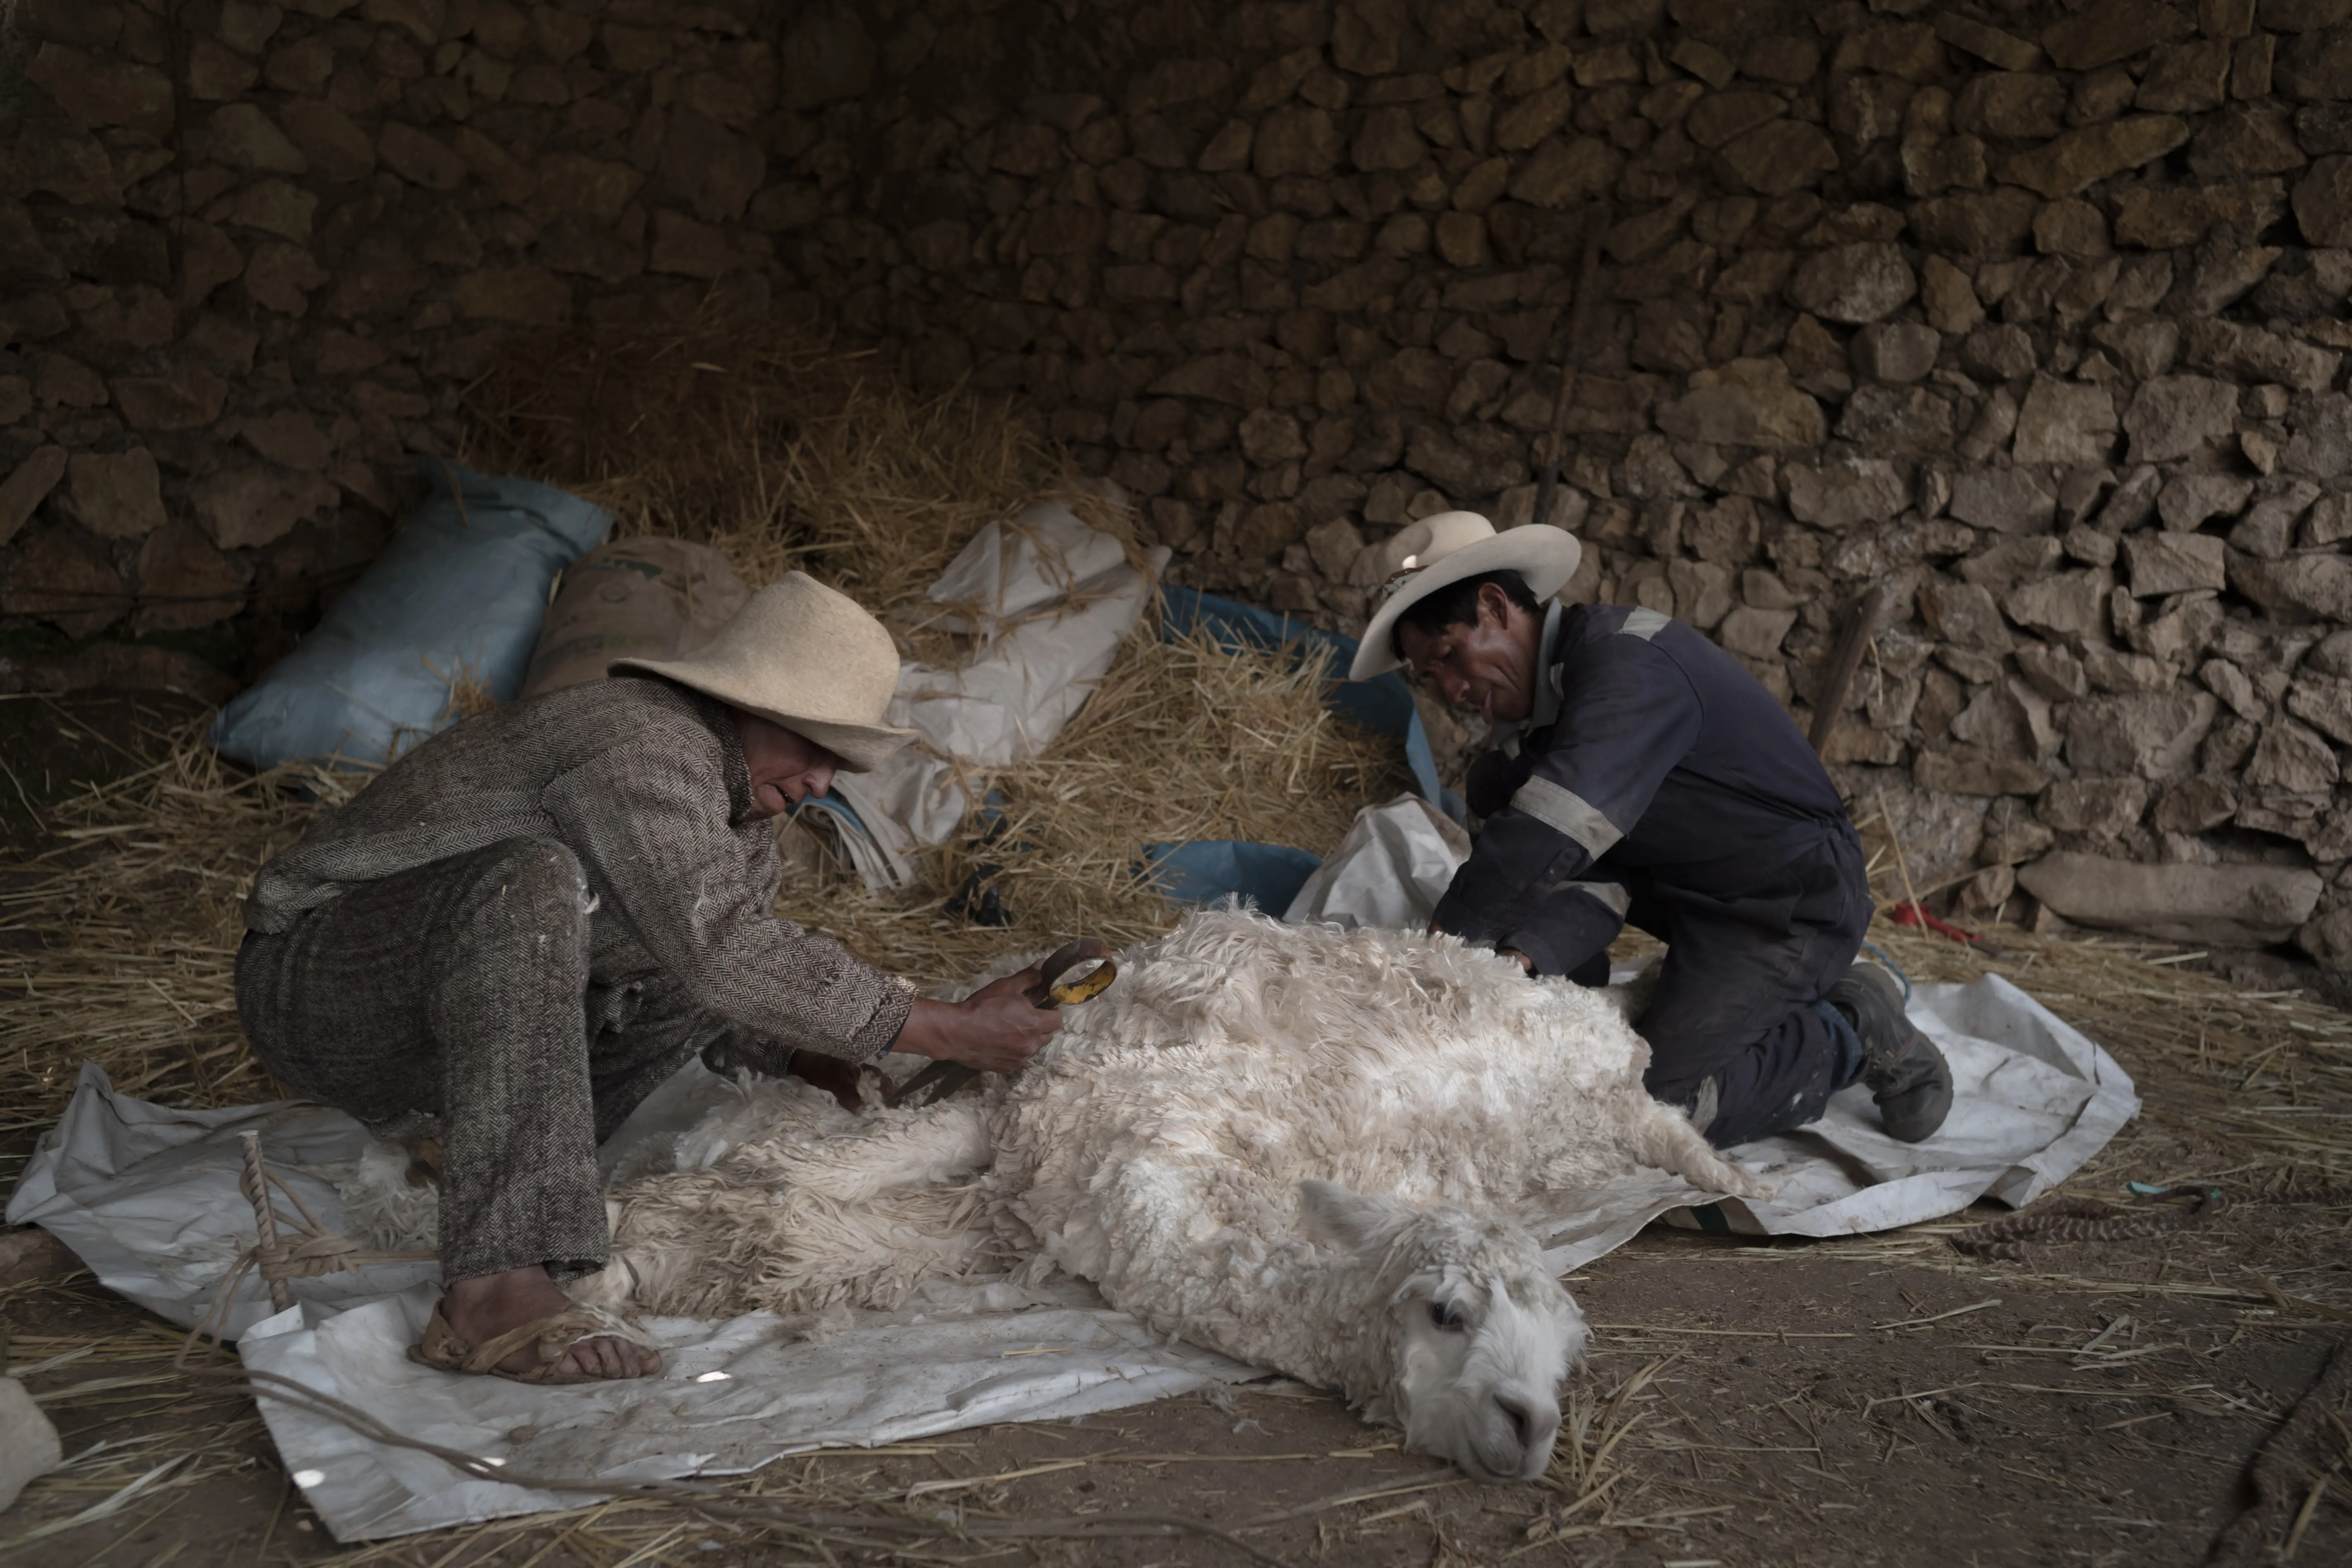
[1051,599]
[1389,870]
[2033,1098]
[148,1197]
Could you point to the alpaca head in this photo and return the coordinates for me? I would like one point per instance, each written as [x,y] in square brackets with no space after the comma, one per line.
[1477,1332]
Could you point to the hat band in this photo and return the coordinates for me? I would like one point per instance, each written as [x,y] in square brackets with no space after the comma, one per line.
[1396,583]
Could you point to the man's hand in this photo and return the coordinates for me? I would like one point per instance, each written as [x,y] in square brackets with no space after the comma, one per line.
[1515,956]
[996,1028]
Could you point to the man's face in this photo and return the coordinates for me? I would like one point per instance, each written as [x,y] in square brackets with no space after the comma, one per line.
[1487,665]
[787,768]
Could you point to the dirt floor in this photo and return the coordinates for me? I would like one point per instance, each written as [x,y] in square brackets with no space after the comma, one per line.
[1863,1400]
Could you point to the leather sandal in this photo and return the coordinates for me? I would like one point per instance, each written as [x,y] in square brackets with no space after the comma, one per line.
[555,1334]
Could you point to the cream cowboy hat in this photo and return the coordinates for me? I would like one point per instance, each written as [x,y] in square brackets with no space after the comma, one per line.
[1441,550]
[804,656]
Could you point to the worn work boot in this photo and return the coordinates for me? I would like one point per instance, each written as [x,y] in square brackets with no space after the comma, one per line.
[1905,1072]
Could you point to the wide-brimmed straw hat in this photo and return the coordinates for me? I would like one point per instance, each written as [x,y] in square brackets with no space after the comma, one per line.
[804,656]
[1443,550]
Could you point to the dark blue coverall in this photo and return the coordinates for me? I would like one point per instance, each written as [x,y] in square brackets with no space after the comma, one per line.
[1659,782]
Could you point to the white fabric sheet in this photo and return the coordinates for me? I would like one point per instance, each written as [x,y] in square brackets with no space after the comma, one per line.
[1389,870]
[1054,599]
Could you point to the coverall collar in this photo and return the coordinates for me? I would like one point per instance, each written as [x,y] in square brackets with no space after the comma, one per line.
[1546,686]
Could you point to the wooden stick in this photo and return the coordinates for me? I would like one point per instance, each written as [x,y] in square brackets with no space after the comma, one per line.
[1830,701]
[1579,323]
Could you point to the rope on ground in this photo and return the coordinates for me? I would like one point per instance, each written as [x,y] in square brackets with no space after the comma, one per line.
[2087,1219]
[2294,1465]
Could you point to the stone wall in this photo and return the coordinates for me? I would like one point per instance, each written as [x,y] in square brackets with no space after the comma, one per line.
[2032,315]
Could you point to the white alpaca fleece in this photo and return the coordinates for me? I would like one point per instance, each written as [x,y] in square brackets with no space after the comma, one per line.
[1156,1148]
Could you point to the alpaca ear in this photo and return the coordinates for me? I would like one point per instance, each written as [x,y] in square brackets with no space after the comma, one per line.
[1337,1218]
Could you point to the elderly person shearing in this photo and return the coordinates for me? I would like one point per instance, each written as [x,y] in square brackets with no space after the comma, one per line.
[1645,775]
[527,923]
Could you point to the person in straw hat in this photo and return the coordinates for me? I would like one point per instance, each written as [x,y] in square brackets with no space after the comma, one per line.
[1645,775]
[524,925]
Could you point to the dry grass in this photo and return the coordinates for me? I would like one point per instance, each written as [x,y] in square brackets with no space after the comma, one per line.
[788,454]
[763,438]
[136,915]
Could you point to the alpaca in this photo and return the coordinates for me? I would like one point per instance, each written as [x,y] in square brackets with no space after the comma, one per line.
[1298,1145]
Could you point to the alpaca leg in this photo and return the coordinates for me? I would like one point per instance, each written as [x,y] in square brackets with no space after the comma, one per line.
[877,1154]
[1664,1138]
[700,1245]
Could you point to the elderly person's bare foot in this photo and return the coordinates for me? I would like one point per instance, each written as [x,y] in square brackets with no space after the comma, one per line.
[479,1309]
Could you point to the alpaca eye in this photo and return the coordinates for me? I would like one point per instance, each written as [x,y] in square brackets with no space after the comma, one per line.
[1447,1316]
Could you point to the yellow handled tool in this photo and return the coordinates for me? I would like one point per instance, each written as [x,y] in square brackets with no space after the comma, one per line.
[940,1080]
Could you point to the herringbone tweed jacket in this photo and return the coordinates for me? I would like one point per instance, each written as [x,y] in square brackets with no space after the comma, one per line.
[645,782]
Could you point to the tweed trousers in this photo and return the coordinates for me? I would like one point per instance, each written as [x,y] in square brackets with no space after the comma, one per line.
[462,989]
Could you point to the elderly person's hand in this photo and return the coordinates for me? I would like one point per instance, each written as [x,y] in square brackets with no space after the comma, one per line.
[996,1028]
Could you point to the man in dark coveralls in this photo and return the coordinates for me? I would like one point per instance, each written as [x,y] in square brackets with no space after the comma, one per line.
[1644,774]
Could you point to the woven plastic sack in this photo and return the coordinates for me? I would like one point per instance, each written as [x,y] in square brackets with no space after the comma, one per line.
[633,598]
[453,602]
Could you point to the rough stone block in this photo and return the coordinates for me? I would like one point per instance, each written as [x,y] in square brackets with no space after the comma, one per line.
[28,486]
[1966,770]
[2172,416]
[2321,447]
[1747,403]
[116,495]
[1776,158]
[256,503]
[2082,158]
[2153,734]
[192,583]
[243,136]
[2186,78]
[1964,614]
[2064,422]
[2166,562]
[2093,807]
[97,91]
[2113,30]
[185,400]
[2233,906]
[2014,500]
[1853,283]
[29,1446]
[68,579]
[419,158]
[336,148]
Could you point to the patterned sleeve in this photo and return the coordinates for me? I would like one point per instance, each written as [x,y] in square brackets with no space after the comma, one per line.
[649,820]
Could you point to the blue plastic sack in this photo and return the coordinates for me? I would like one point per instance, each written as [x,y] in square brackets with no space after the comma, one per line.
[458,592]
[1270,875]
[1207,869]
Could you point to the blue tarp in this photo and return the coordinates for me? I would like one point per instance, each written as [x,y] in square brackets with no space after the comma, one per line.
[1270,874]
[1207,869]
[459,592]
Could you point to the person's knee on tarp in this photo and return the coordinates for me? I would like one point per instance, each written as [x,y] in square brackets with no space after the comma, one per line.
[1642,775]
[519,930]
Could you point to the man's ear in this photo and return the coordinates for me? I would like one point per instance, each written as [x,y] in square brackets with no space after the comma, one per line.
[1494,605]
